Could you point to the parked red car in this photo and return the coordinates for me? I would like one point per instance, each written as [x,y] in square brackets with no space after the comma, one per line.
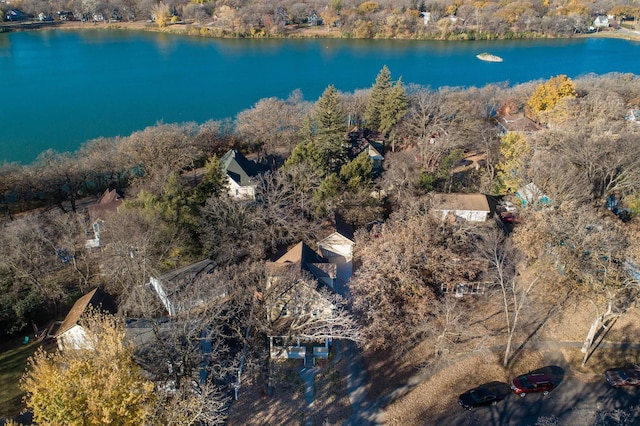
[625,377]
[531,383]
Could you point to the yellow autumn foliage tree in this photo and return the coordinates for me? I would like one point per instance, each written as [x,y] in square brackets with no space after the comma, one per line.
[100,385]
[368,7]
[547,95]
[514,149]
[161,12]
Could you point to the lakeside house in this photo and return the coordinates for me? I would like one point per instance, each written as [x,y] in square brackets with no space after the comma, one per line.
[241,174]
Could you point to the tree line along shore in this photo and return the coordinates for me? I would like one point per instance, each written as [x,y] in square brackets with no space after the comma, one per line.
[456,20]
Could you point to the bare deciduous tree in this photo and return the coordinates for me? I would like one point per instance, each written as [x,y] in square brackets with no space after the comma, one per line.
[513,283]
[272,125]
[297,307]
[160,150]
[404,264]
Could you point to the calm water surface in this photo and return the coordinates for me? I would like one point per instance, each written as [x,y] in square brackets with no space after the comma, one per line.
[63,88]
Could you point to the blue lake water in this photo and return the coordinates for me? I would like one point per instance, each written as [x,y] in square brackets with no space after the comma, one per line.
[60,88]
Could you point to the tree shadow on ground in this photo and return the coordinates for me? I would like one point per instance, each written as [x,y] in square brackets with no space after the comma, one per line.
[385,375]
[537,325]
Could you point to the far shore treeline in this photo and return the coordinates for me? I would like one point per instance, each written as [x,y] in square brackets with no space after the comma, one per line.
[391,19]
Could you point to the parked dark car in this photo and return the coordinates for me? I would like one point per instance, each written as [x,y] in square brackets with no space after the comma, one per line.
[623,377]
[532,383]
[478,397]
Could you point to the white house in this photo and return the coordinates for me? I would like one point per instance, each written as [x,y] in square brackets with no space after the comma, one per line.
[71,334]
[469,207]
[241,174]
[601,22]
[336,245]
[426,17]
[300,304]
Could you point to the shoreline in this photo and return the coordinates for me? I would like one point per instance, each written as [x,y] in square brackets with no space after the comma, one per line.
[209,31]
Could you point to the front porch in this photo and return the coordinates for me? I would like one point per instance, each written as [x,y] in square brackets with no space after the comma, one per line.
[305,350]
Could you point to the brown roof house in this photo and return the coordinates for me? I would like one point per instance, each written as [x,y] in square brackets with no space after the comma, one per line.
[517,122]
[71,334]
[469,207]
[108,203]
[303,258]
[299,306]
[510,118]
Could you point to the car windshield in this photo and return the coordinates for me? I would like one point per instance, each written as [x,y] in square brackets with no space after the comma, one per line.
[475,396]
[525,382]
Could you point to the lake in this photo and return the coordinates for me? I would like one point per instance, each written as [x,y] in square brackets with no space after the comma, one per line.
[63,88]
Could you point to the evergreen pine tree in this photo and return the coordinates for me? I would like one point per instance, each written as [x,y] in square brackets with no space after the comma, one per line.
[379,92]
[359,168]
[330,129]
[213,182]
[394,108]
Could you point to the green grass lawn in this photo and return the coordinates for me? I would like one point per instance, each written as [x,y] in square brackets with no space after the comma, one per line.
[13,360]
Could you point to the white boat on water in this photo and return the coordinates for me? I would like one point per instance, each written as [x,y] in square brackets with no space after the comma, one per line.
[489,57]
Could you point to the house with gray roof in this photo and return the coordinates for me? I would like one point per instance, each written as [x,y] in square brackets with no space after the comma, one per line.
[241,174]
[183,289]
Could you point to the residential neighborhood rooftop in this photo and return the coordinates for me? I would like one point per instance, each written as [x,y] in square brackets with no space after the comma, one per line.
[108,203]
[475,202]
[96,298]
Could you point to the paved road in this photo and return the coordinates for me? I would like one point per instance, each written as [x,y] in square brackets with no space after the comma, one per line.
[365,411]
[573,402]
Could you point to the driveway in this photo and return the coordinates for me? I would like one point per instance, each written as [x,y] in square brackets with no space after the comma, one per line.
[365,412]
